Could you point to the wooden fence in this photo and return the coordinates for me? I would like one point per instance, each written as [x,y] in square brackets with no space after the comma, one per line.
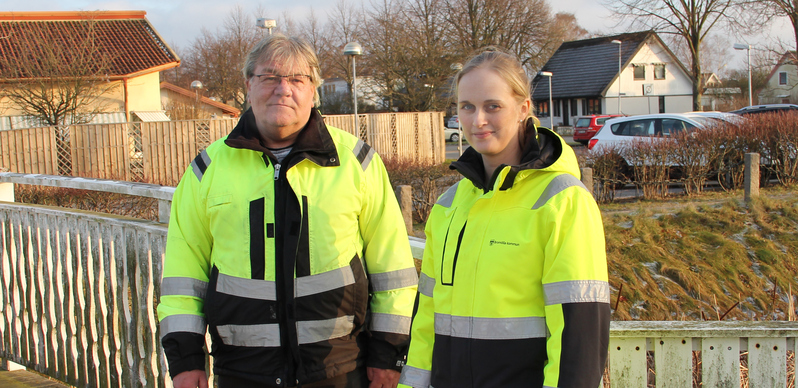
[159,152]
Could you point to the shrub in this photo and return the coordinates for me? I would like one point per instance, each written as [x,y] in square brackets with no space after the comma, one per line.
[427,180]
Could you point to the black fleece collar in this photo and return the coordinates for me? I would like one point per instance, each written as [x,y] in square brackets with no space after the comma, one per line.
[539,152]
[313,141]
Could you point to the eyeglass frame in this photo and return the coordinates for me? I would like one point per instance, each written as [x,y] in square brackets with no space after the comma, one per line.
[281,77]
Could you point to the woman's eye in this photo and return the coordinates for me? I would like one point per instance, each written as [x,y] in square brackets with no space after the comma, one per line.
[467,107]
[493,107]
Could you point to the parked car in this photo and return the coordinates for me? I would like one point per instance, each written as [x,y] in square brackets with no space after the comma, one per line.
[452,134]
[453,122]
[722,116]
[587,126]
[766,108]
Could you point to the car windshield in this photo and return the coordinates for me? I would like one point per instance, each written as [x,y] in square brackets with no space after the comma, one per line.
[585,122]
[704,121]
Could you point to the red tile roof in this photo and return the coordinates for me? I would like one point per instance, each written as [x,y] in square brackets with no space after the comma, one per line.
[231,110]
[126,37]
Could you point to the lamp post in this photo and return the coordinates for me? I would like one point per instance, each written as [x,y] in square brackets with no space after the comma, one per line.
[267,24]
[548,75]
[196,85]
[747,47]
[354,49]
[619,43]
[456,67]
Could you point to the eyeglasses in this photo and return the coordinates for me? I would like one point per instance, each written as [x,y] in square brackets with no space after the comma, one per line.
[297,81]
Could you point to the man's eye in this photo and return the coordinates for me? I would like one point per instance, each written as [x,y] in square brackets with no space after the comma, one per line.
[271,79]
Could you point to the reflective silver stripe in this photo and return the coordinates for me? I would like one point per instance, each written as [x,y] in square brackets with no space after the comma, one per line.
[266,335]
[490,328]
[199,172]
[426,285]
[367,159]
[325,281]
[577,291]
[182,323]
[447,198]
[309,332]
[393,280]
[556,186]
[184,286]
[415,377]
[390,323]
[246,288]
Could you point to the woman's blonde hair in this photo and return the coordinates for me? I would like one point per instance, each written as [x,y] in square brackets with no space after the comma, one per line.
[290,51]
[509,68]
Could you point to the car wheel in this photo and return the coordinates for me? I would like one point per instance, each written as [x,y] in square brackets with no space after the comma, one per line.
[454,137]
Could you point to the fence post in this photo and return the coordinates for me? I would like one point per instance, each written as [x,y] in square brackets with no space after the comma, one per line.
[587,179]
[404,194]
[164,209]
[751,176]
[7,191]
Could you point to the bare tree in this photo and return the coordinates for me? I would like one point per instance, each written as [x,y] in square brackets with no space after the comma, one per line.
[520,26]
[691,20]
[788,8]
[215,58]
[58,79]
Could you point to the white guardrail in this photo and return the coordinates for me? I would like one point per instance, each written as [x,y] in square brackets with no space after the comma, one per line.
[78,292]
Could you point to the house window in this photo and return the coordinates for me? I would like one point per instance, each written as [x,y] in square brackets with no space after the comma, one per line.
[591,106]
[543,109]
[557,108]
[661,104]
[783,78]
[659,71]
[574,108]
[640,71]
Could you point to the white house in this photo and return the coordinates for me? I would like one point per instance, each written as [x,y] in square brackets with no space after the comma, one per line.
[338,88]
[585,79]
[780,87]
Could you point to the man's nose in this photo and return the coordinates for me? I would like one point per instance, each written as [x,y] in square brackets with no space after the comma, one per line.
[283,87]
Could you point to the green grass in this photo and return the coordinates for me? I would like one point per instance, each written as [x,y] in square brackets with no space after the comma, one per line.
[687,259]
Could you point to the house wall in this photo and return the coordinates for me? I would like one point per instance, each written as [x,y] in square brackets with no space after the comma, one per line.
[636,99]
[143,93]
[773,93]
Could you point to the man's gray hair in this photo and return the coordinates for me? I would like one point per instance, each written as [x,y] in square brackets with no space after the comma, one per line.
[289,52]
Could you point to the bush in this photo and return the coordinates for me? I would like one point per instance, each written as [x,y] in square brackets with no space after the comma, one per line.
[428,181]
[96,201]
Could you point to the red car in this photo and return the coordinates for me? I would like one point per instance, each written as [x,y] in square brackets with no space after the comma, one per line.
[587,126]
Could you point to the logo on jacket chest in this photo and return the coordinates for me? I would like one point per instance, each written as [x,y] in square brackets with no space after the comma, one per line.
[499,242]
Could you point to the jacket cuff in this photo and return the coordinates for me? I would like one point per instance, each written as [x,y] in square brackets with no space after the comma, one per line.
[384,355]
[184,352]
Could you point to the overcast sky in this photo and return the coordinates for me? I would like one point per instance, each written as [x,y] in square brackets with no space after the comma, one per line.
[179,21]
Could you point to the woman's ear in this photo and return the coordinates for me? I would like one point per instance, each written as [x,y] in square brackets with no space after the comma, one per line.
[526,107]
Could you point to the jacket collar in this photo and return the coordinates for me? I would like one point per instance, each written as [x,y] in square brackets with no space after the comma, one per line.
[314,141]
[541,150]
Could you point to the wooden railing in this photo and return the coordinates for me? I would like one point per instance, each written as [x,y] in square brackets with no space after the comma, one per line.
[159,152]
[78,292]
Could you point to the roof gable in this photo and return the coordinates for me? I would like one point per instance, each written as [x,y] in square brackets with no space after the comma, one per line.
[788,58]
[125,41]
[585,68]
[231,110]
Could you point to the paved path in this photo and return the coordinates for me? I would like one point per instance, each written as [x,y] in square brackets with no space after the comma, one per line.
[25,379]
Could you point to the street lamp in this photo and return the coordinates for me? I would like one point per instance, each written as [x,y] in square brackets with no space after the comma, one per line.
[548,75]
[266,24]
[619,43]
[354,49]
[457,66]
[196,85]
[747,47]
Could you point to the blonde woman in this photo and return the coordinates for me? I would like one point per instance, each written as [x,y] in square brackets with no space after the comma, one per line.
[513,286]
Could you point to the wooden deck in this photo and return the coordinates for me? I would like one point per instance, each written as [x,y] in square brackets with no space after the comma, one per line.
[25,379]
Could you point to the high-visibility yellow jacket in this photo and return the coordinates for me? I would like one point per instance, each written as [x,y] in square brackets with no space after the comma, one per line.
[301,270]
[513,289]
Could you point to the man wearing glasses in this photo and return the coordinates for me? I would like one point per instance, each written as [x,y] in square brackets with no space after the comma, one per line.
[286,242]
